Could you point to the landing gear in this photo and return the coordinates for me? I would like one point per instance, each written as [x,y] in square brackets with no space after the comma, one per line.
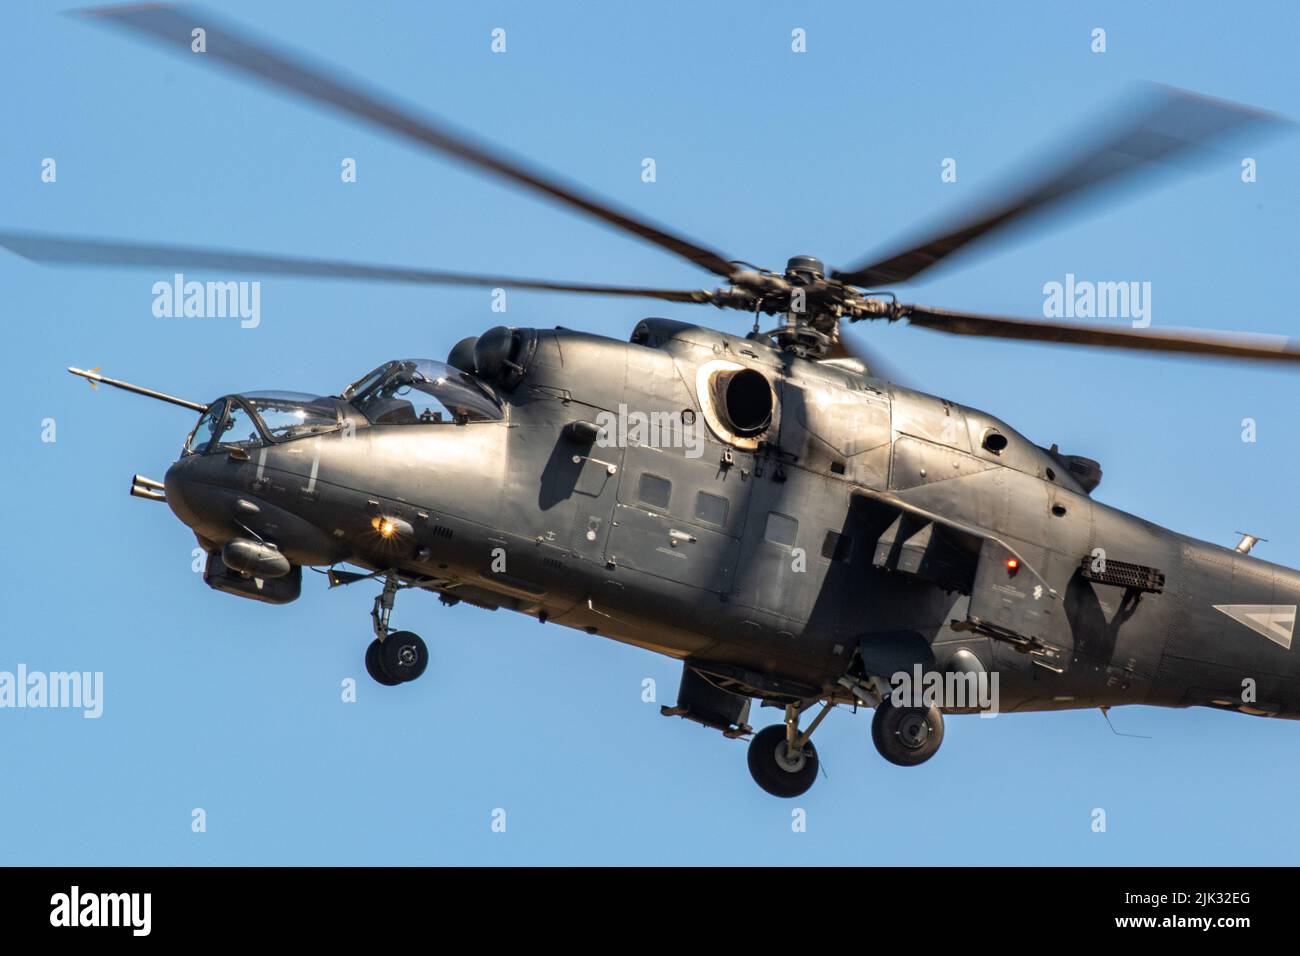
[906,736]
[403,655]
[777,769]
[783,761]
[375,666]
[397,657]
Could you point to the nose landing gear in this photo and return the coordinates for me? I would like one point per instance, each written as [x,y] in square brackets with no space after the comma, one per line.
[397,657]
[782,760]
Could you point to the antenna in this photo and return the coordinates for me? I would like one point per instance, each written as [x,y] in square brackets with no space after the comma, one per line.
[1105,712]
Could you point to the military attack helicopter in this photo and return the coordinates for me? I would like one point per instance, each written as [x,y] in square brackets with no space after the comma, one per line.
[825,530]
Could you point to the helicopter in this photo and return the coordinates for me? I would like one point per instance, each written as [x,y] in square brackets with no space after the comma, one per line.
[771,509]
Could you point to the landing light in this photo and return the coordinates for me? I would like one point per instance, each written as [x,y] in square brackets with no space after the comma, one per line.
[389,527]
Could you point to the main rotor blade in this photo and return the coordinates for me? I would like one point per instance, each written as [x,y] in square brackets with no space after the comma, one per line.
[173,26]
[1268,348]
[1168,126]
[100,252]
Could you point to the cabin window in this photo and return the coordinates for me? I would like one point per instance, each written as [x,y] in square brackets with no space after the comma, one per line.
[654,491]
[781,529]
[711,509]
[837,547]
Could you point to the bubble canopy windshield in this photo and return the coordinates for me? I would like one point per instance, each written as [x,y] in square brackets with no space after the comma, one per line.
[422,392]
[286,415]
[252,418]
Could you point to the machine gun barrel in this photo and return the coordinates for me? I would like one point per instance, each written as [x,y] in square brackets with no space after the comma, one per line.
[142,487]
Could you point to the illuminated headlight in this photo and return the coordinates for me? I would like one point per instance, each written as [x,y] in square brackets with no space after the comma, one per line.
[390,527]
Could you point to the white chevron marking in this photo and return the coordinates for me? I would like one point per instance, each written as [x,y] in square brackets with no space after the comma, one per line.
[1274,621]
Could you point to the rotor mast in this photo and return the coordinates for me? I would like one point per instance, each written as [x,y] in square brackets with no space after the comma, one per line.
[811,304]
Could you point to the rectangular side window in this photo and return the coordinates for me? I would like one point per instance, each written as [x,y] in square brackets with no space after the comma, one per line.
[654,491]
[711,508]
[837,547]
[781,529]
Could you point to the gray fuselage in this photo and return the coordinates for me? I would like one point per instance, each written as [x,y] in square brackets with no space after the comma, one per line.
[758,557]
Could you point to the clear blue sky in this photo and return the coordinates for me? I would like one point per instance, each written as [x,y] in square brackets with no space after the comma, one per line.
[235,707]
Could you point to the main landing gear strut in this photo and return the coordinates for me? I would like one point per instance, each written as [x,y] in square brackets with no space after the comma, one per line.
[393,657]
[783,761]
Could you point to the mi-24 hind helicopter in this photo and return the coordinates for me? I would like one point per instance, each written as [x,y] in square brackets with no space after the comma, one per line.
[824,531]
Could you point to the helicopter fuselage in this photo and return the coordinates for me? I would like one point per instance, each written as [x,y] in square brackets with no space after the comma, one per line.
[863,529]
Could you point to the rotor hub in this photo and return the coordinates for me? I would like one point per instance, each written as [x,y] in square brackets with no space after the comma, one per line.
[807,268]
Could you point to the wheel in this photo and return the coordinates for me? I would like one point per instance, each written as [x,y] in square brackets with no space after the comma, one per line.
[906,736]
[773,767]
[375,666]
[403,655]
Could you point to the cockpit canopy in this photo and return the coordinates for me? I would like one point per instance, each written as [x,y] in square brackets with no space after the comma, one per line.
[287,415]
[406,391]
[422,392]
[243,421]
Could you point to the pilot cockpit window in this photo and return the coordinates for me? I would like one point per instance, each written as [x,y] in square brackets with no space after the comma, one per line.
[203,432]
[422,392]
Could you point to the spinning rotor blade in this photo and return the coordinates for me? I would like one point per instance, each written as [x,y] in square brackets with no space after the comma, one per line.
[173,25]
[1170,126]
[1274,348]
[99,252]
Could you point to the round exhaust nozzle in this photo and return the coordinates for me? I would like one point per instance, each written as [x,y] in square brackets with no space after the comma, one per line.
[743,399]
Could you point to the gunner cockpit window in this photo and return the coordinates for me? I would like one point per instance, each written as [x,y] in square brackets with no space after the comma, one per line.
[247,421]
[288,415]
[205,430]
[238,428]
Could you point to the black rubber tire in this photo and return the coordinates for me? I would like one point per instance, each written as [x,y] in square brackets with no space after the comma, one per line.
[906,736]
[765,765]
[375,666]
[403,655]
